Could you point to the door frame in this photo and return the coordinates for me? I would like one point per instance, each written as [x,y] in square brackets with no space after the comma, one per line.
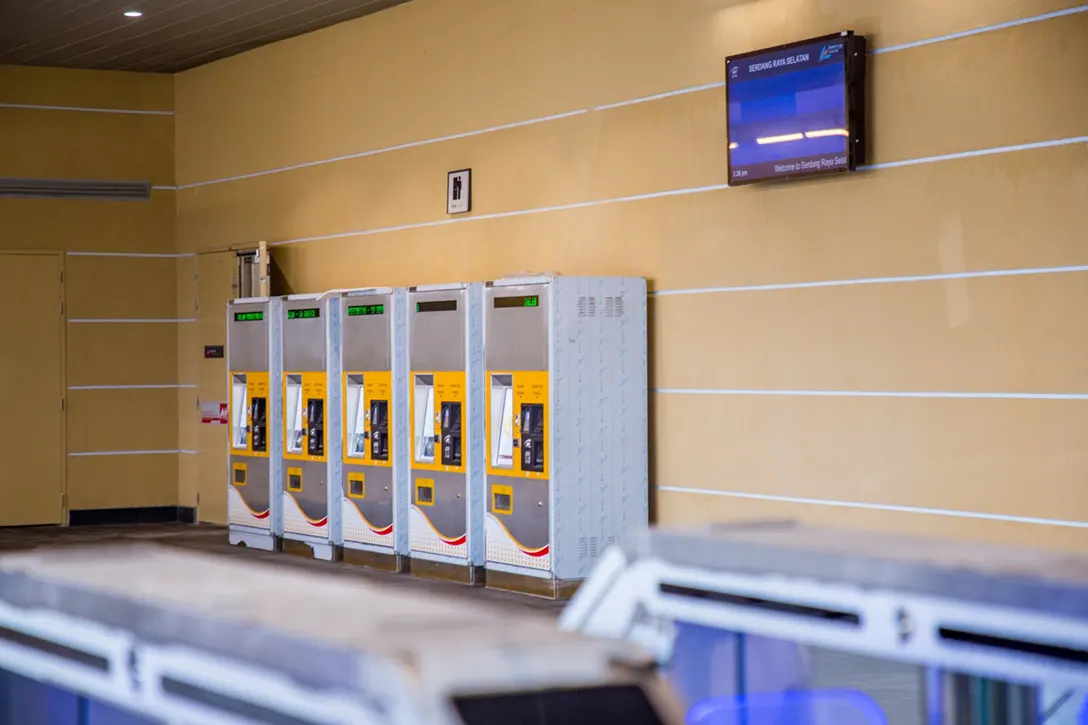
[62,394]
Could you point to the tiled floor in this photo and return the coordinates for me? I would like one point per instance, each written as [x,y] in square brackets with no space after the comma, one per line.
[213,539]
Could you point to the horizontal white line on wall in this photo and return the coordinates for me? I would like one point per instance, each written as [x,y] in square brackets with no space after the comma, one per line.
[146,255]
[873,280]
[617,104]
[643,197]
[873,394]
[387,149]
[983,29]
[133,319]
[164,188]
[188,452]
[979,152]
[84,454]
[506,214]
[659,96]
[84,109]
[129,387]
[879,507]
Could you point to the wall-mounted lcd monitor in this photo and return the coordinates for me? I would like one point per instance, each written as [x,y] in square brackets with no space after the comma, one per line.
[797,110]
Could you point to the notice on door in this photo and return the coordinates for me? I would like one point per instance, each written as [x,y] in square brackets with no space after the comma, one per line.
[213,413]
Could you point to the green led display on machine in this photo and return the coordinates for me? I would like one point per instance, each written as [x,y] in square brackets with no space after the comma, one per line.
[307,314]
[248,316]
[518,301]
[359,310]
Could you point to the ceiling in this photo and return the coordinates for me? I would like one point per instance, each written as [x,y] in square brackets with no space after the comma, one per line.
[172,35]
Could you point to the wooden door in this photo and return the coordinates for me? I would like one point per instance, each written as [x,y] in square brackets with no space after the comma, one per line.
[216,274]
[31,390]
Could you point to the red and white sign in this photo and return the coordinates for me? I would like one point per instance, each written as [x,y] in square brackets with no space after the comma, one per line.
[214,413]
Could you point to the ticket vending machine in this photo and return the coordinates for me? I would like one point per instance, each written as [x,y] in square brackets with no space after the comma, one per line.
[309,354]
[253,460]
[445,392]
[566,428]
[373,490]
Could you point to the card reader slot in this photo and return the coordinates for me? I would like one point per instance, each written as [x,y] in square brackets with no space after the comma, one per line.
[258,416]
[532,437]
[451,434]
[379,430]
[315,427]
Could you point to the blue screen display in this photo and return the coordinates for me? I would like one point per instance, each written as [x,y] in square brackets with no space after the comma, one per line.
[787,112]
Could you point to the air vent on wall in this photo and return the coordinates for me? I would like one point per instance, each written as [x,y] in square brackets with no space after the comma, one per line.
[75,189]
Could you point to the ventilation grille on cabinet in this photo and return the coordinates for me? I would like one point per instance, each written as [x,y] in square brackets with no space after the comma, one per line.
[587,548]
[587,306]
[73,189]
[613,306]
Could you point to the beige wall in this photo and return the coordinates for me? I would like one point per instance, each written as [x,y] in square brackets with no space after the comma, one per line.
[870,455]
[45,134]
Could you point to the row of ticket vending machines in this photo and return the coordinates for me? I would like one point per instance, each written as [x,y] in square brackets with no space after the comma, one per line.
[478,432]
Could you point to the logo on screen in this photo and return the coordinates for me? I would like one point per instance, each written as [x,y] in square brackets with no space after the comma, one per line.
[734,71]
[829,50]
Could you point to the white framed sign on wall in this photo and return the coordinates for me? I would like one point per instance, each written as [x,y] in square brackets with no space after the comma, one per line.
[459,191]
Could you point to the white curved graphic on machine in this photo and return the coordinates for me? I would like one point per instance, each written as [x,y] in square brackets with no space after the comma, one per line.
[357,529]
[424,538]
[503,549]
[241,514]
[296,522]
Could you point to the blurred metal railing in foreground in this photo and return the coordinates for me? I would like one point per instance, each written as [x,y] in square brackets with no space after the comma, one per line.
[934,632]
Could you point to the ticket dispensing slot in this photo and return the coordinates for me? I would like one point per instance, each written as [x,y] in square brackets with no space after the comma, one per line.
[502,410]
[239,426]
[356,417]
[424,419]
[296,429]
[368,423]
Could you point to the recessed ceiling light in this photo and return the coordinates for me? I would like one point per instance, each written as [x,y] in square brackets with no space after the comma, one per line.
[134,14]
